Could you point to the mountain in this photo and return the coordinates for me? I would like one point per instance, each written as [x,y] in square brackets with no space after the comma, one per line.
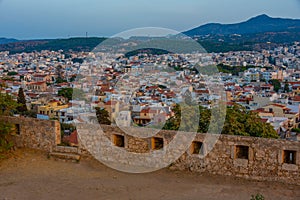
[254,34]
[260,24]
[7,40]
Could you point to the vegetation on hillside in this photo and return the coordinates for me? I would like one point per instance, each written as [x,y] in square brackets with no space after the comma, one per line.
[234,70]
[71,44]
[7,107]
[212,43]
[147,51]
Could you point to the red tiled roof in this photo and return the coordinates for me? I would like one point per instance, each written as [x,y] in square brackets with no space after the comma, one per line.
[278,105]
[72,139]
[266,85]
[261,111]
[40,75]
[296,98]
[264,120]
[145,110]
[228,84]
[36,83]
[202,91]
[294,83]
[111,103]
[230,103]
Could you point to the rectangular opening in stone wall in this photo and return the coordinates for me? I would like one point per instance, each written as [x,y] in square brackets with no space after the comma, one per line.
[196,147]
[119,140]
[17,129]
[289,157]
[241,152]
[157,143]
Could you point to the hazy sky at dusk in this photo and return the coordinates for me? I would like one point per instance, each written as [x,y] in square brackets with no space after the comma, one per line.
[25,19]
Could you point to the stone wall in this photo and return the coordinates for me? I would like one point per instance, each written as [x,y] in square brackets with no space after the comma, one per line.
[34,133]
[264,159]
[247,157]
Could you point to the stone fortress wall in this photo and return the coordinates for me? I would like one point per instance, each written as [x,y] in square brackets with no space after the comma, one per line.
[246,157]
[34,133]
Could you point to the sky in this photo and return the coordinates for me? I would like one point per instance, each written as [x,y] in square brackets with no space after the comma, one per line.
[38,19]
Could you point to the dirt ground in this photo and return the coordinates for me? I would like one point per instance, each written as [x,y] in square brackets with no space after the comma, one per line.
[30,175]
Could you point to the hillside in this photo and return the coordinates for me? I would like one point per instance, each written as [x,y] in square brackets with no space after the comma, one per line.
[259,24]
[74,44]
[256,33]
[7,40]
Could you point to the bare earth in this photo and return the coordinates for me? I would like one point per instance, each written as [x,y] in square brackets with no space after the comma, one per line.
[31,175]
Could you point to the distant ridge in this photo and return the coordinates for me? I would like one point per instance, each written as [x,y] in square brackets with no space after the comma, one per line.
[74,44]
[254,34]
[259,24]
[7,40]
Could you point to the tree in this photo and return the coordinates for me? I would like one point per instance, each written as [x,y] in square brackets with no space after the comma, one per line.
[72,93]
[184,119]
[173,122]
[7,108]
[12,73]
[238,121]
[7,105]
[235,121]
[60,80]
[276,84]
[205,116]
[22,108]
[286,87]
[102,116]
[59,72]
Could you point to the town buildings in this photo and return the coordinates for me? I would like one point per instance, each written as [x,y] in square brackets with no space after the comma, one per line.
[142,89]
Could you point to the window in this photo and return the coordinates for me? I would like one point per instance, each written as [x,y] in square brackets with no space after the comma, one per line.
[196,147]
[119,140]
[17,128]
[157,143]
[289,157]
[242,152]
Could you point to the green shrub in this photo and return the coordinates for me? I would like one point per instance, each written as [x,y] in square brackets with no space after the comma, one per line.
[257,197]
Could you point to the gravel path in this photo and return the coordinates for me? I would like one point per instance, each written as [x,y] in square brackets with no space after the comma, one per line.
[31,175]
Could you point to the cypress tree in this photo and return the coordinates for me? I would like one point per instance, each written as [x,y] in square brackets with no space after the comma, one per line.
[102,116]
[22,108]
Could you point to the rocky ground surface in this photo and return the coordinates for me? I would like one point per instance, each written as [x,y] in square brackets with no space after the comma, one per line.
[28,174]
